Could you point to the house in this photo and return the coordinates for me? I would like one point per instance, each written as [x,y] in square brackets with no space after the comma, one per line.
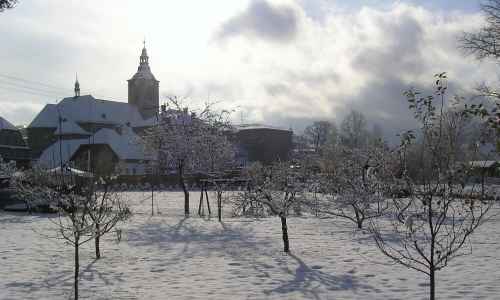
[12,145]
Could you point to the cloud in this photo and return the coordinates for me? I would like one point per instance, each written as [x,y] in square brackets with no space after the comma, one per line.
[262,20]
[363,60]
[281,62]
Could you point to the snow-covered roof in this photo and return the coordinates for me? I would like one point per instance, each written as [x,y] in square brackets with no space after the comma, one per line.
[60,152]
[241,127]
[87,109]
[4,124]
[483,163]
[125,146]
[143,73]
[70,171]
[69,127]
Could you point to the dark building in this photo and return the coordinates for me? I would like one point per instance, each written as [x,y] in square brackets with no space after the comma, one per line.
[12,145]
[143,88]
[265,144]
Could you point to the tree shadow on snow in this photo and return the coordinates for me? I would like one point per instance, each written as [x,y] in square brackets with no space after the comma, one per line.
[8,217]
[190,238]
[312,283]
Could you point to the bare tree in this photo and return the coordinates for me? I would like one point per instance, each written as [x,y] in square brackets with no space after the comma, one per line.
[353,130]
[105,208]
[319,133]
[485,42]
[277,187]
[430,227]
[188,141]
[354,185]
[84,212]
[7,4]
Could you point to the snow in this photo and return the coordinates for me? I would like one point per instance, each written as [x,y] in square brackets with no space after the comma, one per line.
[61,150]
[483,163]
[125,146]
[69,127]
[241,127]
[4,124]
[170,257]
[87,109]
[67,171]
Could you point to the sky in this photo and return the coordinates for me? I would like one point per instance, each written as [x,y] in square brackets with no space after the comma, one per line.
[279,62]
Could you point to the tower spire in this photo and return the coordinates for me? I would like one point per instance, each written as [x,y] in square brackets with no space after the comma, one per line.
[77,87]
[144,59]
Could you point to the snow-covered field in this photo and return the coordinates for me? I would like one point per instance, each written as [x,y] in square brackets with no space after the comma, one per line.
[170,257]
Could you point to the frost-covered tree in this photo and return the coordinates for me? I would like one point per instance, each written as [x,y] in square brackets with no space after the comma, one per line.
[186,141]
[106,208]
[277,187]
[6,4]
[85,212]
[7,168]
[320,133]
[355,184]
[430,226]
[485,42]
[353,130]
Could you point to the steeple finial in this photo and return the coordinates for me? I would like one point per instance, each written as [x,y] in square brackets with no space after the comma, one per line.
[77,86]
[144,55]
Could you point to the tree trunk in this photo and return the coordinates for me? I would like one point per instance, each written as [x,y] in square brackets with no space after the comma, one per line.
[184,189]
[219,205]
[359,220]
[77,269]
[97,240]
[201,200]
[432,281]
[152,199]
[186,199]
[208,206]
[360,224]
[284,229]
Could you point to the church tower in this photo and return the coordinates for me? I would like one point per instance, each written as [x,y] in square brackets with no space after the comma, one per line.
[77,87]
[143,88]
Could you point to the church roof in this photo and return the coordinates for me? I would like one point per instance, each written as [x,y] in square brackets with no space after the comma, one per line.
[125,146]
[143,71]
[87,109]
[4,124]
[69,127]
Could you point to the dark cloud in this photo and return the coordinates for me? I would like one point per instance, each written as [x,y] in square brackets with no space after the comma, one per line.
[399,53]
[275,23]
[383,67]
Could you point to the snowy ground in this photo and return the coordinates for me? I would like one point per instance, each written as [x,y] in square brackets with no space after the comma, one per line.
[170,257]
